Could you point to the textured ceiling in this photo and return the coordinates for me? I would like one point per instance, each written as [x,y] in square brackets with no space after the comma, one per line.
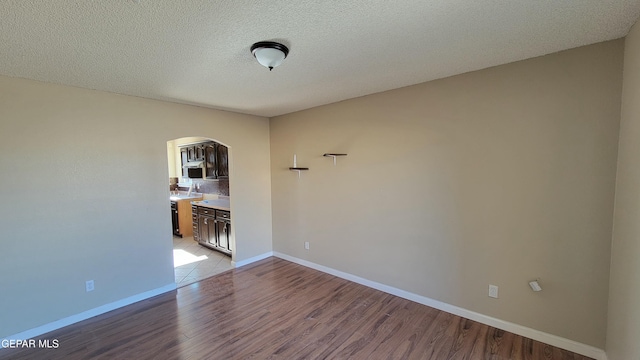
[197,51]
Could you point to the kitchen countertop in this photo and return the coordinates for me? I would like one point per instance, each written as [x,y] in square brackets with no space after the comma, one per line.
[183,196]
[220,204]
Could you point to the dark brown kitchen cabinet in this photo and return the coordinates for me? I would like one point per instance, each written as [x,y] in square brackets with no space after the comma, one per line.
[194,222]
[207,226]
[199,152]
[210,160]
[195,152]
[222,162]
[223,235]
[214,155]
[191,153]
[175,223]
[213,228]
[184,158]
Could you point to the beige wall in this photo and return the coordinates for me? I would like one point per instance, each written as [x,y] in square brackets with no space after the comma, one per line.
[496,177]
[624,292]
[171,158]
[84,195]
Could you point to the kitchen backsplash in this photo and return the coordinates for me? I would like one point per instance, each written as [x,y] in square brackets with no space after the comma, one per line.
[217,187]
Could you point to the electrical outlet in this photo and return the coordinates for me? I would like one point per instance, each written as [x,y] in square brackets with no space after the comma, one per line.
[493,291]
[306,245]
[89,286]
[535,286]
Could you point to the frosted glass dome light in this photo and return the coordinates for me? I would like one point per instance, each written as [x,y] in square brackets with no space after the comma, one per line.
[269,54]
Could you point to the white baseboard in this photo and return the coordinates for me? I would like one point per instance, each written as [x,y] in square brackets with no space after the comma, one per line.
[251,260]
[40,330]
[543,337]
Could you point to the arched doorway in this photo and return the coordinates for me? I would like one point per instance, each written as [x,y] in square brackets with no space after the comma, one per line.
[200,208]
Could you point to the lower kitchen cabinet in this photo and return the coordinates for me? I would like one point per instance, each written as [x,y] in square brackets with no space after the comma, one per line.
[223,232]
[181,217]
[175,223]
[207,230]
[213,228]
[194,223]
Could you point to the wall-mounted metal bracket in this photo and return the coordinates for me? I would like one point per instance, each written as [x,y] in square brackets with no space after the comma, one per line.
[298,169]
[334,156]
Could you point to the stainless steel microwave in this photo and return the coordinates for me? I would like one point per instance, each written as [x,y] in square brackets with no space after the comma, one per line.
[195,170]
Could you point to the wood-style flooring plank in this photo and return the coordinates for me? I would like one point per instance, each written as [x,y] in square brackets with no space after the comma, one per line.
[274,309]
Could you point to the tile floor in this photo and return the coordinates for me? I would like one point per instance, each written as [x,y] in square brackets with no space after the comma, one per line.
[193,262]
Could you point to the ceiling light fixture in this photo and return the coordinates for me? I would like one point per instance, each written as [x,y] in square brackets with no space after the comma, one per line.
[269,54]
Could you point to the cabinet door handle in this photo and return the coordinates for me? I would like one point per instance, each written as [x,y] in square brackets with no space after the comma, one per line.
[205,221]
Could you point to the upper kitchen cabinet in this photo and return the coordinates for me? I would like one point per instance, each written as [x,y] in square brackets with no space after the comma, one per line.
[214,158]
[191,153]
[195,152]
[222,161]
[184,158]
[199,152]
[210,160]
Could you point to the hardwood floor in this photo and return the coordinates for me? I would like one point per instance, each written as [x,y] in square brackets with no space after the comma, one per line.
[275,309]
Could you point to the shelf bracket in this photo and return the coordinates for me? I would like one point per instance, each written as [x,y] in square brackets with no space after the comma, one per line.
[298,169]
[334,156]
